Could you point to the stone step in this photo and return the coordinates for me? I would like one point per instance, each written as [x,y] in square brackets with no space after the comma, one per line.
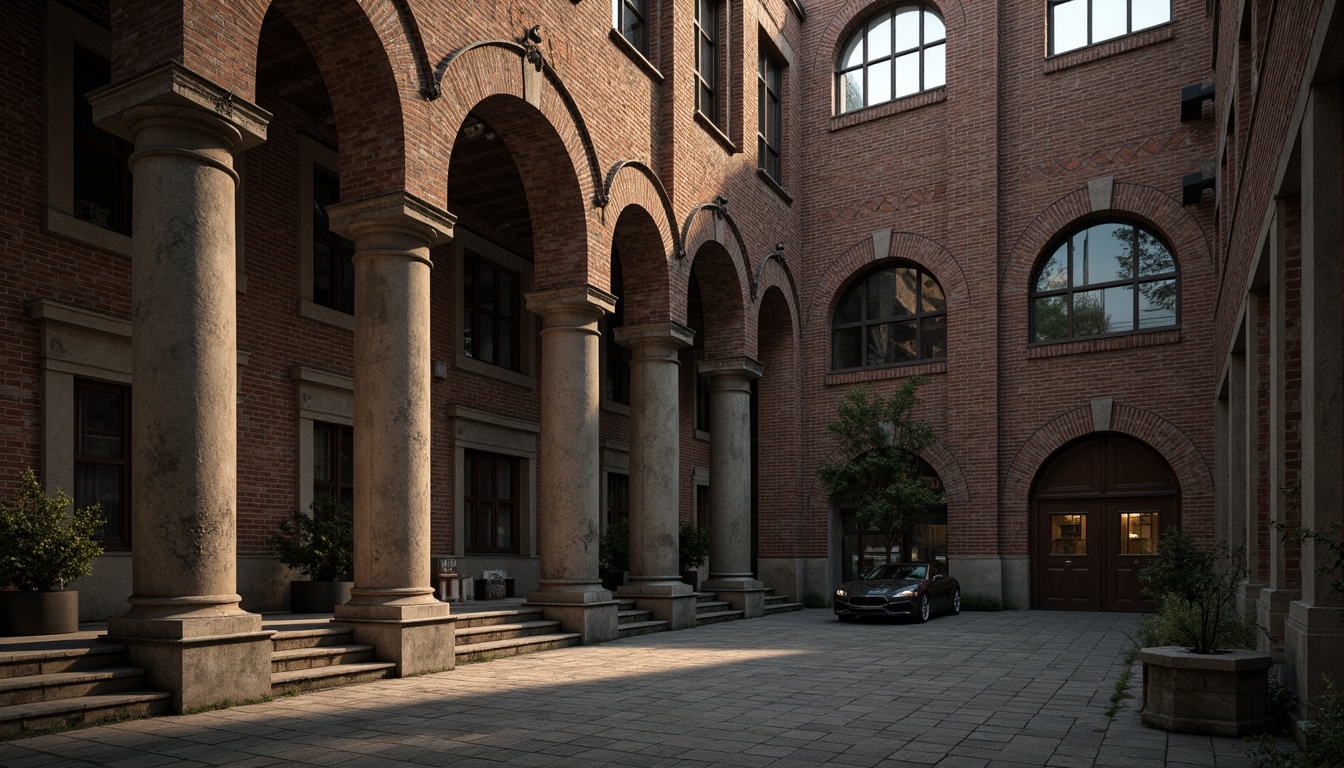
[710,606]
[317,678]
[772,599]
[497,649]
[773,608]
[632,616]
[82,711]
[498,632]
[715,617]
[319,637]
[68,685]
[322,656]
[60,657]
[471,619]
[633,628]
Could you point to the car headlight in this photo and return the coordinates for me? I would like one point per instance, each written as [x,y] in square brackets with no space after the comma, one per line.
[840,593]
[906,593]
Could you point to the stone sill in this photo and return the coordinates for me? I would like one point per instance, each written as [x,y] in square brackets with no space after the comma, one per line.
[472,365]
[326,315]
[1080,56]
[63,224]
[1103,343]
[714,130]
[886,109]
[635,55]
[774,186]
[925,368]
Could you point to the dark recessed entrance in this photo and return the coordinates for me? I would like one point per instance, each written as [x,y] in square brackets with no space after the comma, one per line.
[1097,507]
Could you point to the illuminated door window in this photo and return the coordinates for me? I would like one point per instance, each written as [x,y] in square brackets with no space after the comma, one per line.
[1138,533]
[1068,534]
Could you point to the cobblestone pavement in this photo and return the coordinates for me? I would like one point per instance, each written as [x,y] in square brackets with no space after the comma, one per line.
[1021,688]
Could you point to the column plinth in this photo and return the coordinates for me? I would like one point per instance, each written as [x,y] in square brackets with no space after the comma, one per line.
[392,605]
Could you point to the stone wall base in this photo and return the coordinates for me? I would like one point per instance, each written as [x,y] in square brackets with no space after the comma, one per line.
[417,637]
[1312,638]
[1271,614]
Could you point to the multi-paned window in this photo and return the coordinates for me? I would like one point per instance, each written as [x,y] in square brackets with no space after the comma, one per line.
[334,462]
[102,457]
[618,499]
[102,175]
[492,312]
[707,58]
[895,53]
[895,314]
[1080,23]
[631,19]
[490,503]
[333,255]
[1108,278]
[769,132]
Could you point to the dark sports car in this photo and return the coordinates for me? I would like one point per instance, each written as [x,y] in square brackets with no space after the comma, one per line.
[917,590]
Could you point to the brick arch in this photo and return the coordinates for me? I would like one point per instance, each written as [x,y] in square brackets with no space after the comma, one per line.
[855,12]
[642,247]
[631,186]
[774,277]
[714,247]
[952,477]
[1170,441]
[907,246]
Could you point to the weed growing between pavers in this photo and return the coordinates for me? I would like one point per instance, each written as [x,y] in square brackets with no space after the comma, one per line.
[1122,683]
[72,723]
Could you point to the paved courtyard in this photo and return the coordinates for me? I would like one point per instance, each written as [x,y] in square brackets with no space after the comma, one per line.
[1023,688]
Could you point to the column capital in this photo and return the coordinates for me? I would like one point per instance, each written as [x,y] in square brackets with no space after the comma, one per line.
[668,333]
[395,213]
[583,299]
[173,90]
[738,367]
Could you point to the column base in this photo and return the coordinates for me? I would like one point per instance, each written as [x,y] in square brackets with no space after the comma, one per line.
[673,603]
[417,636]
[1248,594]
[203,661]
[745,595]
[1312,637]
[1271,613]
[586,612]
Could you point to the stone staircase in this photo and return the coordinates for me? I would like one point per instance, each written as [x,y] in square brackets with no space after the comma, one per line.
[709,610]
[487,635]
[631,621]
[321,656]
[46,684]
[779,603]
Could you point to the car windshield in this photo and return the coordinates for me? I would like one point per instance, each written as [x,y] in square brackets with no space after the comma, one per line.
[898,571]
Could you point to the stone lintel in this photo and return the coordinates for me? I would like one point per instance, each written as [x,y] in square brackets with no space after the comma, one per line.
[667,332]
[171,84]
[583,299]
[399,210]
[742,366]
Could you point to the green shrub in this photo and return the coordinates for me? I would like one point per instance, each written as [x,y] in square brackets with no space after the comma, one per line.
[320,545]
[692,547]
[41,547]
[1195,591]
[613,549]
[1324,738]
[814,600]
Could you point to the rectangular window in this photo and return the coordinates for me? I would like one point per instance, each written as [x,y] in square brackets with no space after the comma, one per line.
[102,457]
[333,255]
[334,462]
[492,312]
[618,499]
[1079,23]
[102,174]
[707,58]
[769,134]
[490,501]
[702,400]
[631,19]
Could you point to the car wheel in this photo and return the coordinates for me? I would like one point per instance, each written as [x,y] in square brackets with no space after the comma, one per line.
[956,602]
[923,608]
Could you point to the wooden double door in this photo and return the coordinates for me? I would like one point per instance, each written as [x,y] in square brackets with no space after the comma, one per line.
[1098,507]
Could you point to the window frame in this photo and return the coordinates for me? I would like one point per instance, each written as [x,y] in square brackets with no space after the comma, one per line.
[861,32]
[619,8]
[770,115]
[525,351]
[314,155]
[859,283]
[338,438]
[708,69]
[1066,239]
[470,459]
[1051,5]
[120,540]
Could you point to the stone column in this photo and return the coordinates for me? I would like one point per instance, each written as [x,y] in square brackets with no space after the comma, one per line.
[184,624]
[569,465]
[1315,630]
[392,605]
[1252,527]
[730,573]
[655,513]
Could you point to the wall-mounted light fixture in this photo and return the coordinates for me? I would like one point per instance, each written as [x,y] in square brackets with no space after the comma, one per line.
[1192,100]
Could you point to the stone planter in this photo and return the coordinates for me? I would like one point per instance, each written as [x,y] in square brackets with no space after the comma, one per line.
[318,596]
[1224,694]
[39,613]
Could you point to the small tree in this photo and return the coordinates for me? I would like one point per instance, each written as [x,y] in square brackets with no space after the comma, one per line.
[1195,591]
[321,545]
[43,548]
[878,472]
[692,547]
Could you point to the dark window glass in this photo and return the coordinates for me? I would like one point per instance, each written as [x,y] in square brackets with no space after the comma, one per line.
[702,402]
[334,462]
[333,255]
[618,355]
[897,53]
[490,503]
[769,135]
[492,312]
[897,314]
[1107,278]
[102,457]
[1080,23]
[707,58]
[618,498]
[102,173]
[631,19]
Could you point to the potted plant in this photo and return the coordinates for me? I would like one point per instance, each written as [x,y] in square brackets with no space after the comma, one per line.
[43,548]
[613,554]
[1203,678]
[321,546]
[692,551]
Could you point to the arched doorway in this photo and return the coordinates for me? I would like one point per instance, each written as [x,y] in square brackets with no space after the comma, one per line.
[924,539]
[1097,506]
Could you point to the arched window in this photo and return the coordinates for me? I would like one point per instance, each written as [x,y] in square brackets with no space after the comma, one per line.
[893,315]
[895,53]
[1105,279]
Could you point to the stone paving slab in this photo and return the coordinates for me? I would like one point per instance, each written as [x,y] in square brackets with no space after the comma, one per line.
[1020,688]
